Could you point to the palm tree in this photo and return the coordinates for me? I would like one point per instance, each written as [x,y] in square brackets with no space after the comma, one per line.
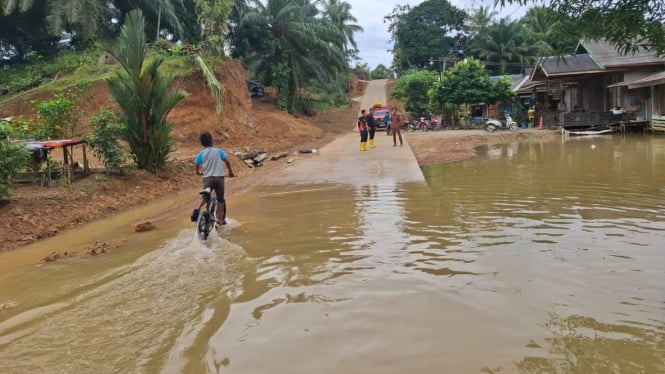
[505,43]
[550,31]
[480,20]
[292,45]
[339,13]
[81,16]
[143,95]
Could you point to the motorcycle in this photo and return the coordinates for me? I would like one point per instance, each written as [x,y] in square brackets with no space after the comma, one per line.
[506,123]
[431,125]
[421,124]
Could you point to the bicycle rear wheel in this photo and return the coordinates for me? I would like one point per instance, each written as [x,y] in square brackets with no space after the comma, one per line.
[213,214]
[203,225]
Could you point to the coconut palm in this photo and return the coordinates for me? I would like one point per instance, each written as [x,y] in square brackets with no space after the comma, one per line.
[292,45]
[339,13]
[143,95]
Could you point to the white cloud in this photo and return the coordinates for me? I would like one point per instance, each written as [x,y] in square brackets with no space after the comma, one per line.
[374,42]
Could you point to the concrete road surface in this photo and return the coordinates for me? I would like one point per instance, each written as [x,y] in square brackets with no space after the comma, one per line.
[342,162]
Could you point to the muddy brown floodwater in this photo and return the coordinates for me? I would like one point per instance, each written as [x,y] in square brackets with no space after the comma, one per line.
[534,256]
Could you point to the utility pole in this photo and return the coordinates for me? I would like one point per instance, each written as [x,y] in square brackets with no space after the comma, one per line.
[444,62]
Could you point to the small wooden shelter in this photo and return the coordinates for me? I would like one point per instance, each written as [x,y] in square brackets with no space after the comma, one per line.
[70,167]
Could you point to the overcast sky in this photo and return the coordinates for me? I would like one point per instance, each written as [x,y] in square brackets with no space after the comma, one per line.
[373,43]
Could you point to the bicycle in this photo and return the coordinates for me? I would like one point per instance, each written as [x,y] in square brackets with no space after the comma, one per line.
[207,216]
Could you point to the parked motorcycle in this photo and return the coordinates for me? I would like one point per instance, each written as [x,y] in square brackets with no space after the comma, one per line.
[431,125]
[507,123]
[421,124]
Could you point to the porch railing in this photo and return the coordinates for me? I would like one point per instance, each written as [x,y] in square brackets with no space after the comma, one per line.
[552,120]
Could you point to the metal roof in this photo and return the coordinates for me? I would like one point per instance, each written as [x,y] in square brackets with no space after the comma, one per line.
[607,56]
[651,80]
[516,80]
[567,65]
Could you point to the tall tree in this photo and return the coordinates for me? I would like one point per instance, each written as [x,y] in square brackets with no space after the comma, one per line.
[80,16]
[553,34]
[504,44]
[468,82]
[413,88]
[158,14]
[432,29]
[292,45]
[339,13]
[479,21]
[628,25]
[143,95]
[214,16]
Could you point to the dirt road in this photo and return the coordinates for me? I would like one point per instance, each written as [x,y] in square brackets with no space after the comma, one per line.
[341,161]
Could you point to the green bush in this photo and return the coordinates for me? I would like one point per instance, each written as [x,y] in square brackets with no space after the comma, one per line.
[37,70]
[13,158]
[56,116]
[107,127]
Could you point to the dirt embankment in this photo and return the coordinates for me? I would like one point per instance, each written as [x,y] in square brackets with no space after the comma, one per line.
[456,145]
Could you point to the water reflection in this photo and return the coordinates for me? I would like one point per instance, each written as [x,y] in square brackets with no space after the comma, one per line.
[580,344]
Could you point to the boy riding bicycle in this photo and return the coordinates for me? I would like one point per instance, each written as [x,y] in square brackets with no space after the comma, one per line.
[210,159]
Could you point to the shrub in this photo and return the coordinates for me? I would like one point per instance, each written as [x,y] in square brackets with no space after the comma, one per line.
[56,116]
[107,127]
[13,158]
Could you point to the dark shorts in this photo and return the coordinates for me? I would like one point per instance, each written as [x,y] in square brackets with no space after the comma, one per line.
[216,184]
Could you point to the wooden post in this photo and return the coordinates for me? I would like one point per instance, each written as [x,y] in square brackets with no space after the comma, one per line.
[86,167]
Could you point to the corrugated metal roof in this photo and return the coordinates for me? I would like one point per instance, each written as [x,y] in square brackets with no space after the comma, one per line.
[651,80]
[578,64]
[516,80]
[607,56]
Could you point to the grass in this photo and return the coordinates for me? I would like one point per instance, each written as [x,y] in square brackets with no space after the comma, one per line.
[69,68]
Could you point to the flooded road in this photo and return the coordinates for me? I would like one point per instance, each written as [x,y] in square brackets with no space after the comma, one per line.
[532,258]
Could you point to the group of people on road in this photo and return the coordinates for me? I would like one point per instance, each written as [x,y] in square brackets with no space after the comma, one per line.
[367,127]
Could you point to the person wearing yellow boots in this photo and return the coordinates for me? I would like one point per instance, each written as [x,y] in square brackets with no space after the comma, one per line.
[371,124]
[362,129]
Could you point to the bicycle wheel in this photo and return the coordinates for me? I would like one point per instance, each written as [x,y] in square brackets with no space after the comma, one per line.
[213,214]
[202,225]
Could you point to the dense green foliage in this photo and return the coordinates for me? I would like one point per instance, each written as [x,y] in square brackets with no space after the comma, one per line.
[381,72]
[294,46]
[107,127]
[56,116]
[143,95]
[13,158]
[469,83]
[628,25]
[432,29]
[214,16]
[39,70]
[413,88]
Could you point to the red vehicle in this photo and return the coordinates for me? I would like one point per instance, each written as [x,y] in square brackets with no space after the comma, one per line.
[380,115]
